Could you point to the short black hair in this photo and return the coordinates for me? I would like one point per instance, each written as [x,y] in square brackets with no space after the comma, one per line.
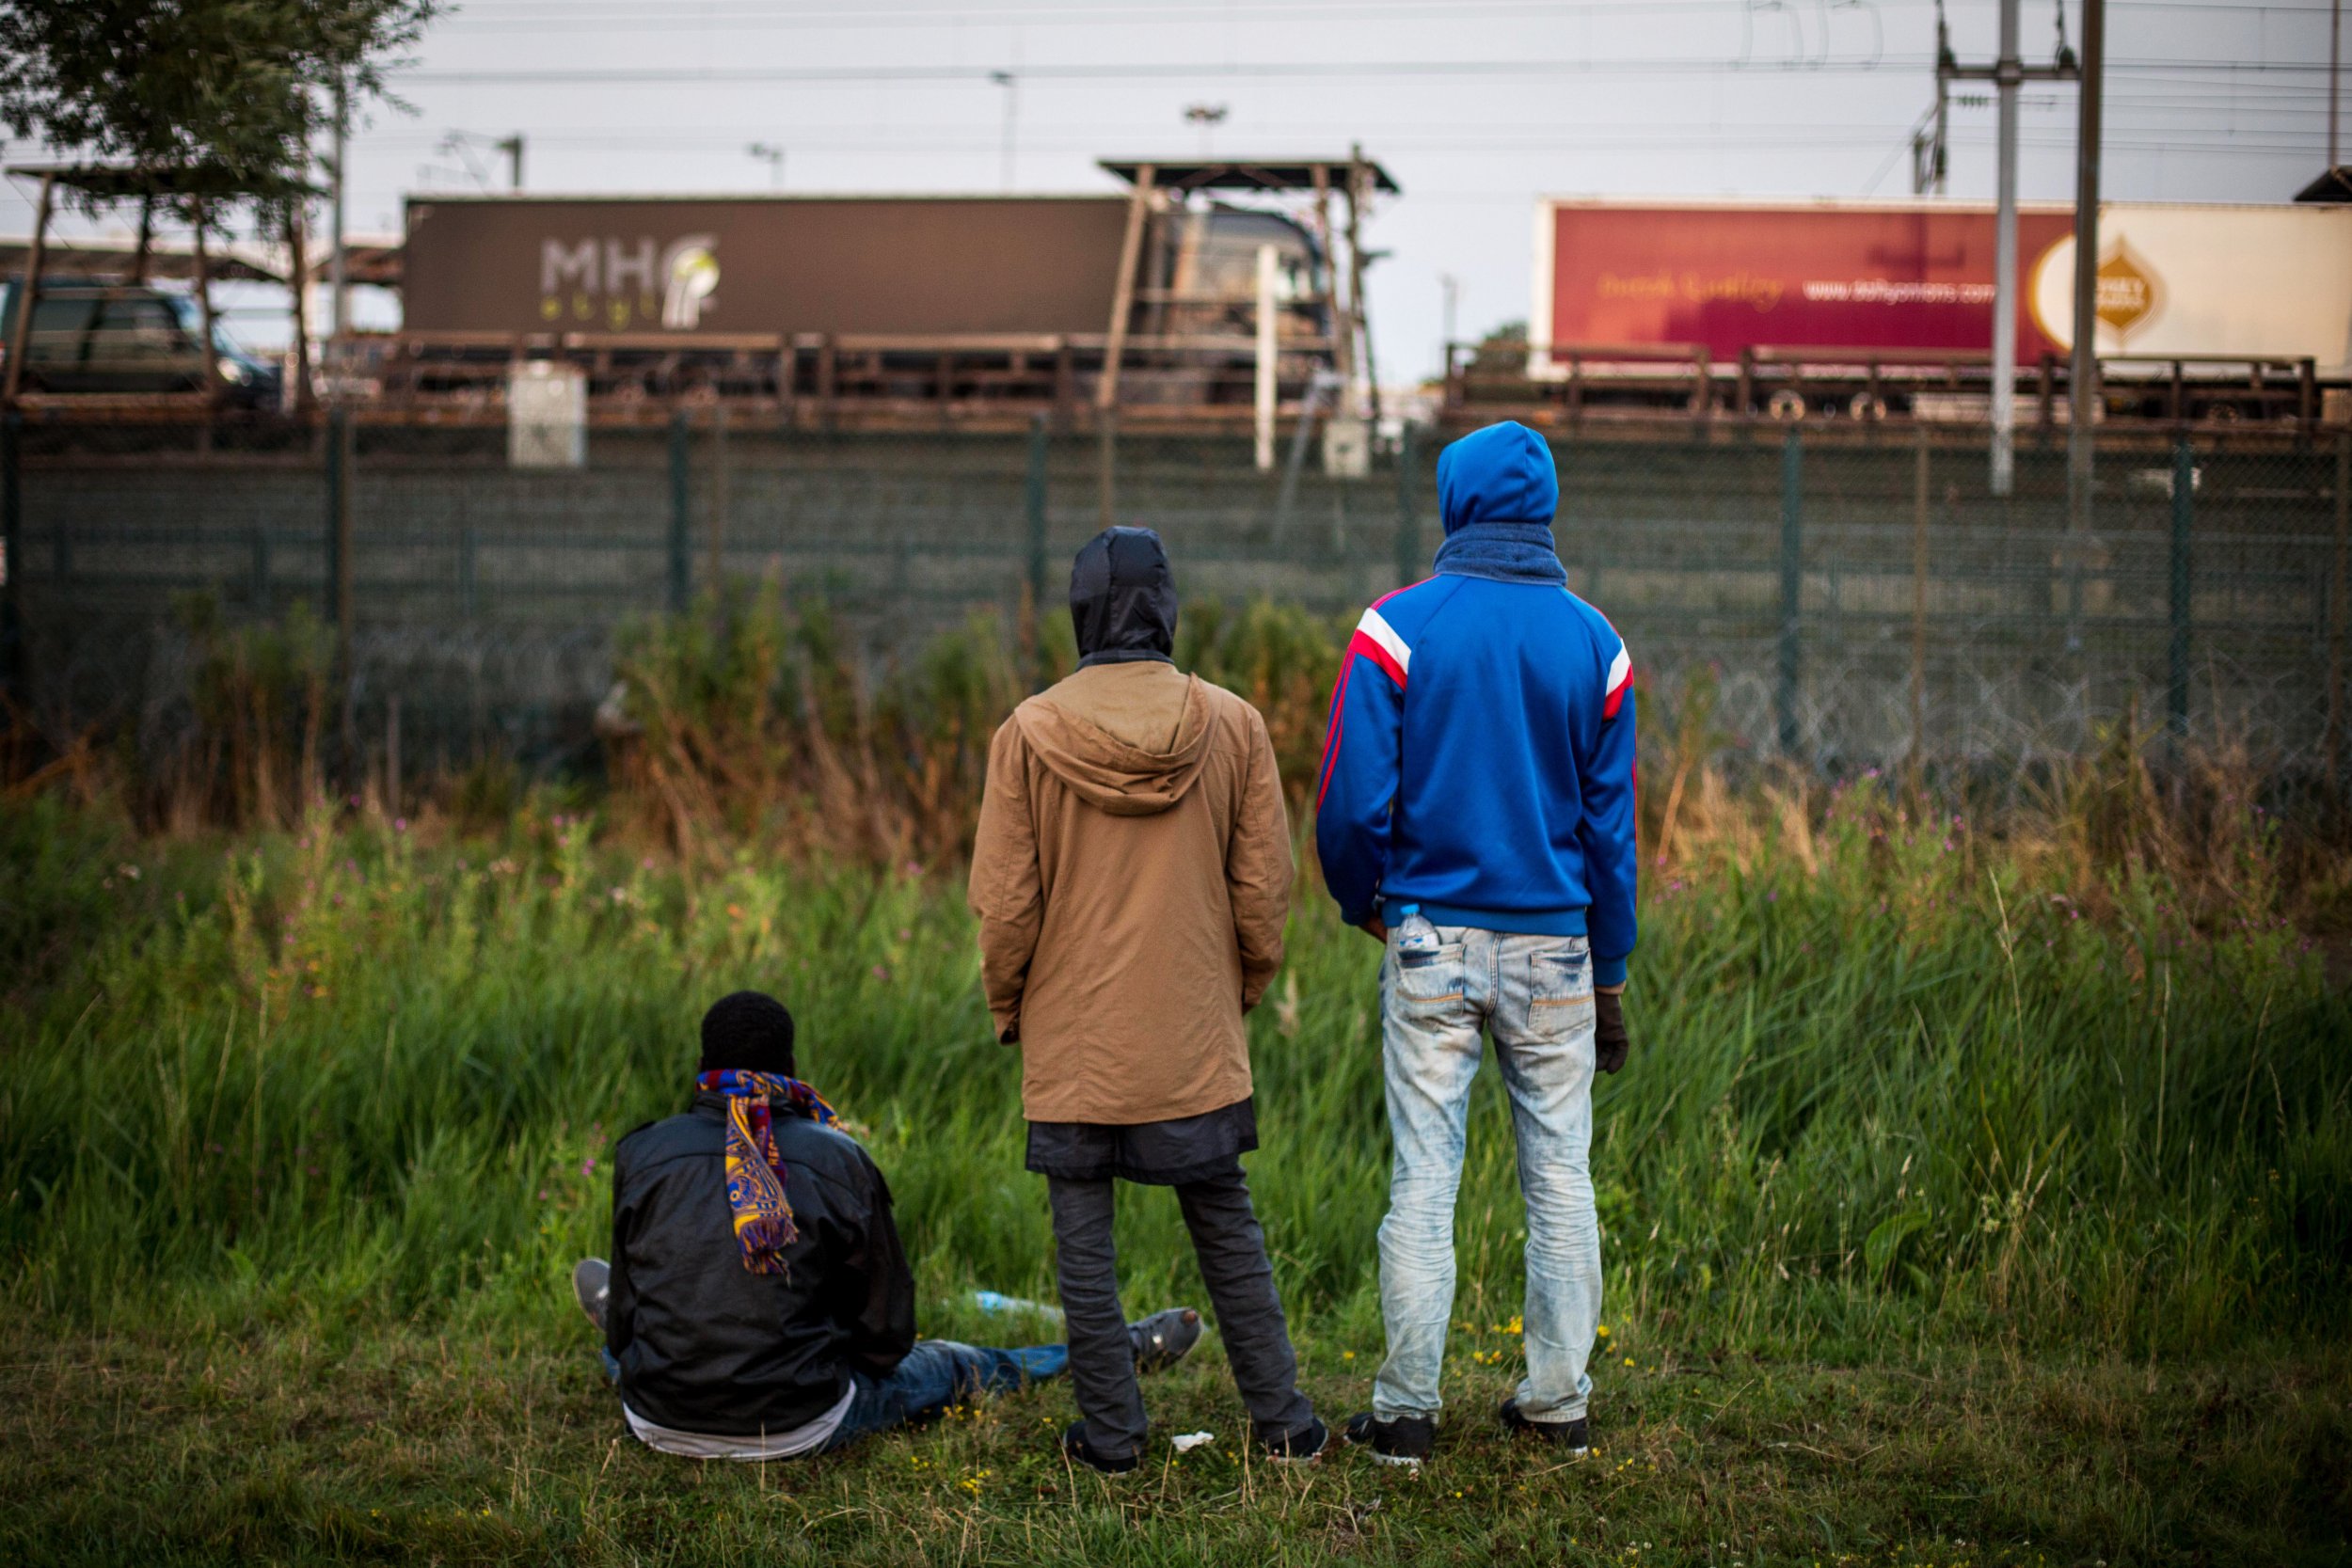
[747,1032]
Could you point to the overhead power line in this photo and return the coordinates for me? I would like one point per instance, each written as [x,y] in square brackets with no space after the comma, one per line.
[1183,69]
[762,13]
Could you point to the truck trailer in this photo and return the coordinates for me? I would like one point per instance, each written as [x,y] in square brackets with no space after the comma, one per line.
[883,301]
[1864,308]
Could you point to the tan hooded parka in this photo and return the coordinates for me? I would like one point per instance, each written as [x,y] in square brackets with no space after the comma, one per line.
[1131,877]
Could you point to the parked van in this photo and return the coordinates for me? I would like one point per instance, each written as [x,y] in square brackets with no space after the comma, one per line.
[91,336]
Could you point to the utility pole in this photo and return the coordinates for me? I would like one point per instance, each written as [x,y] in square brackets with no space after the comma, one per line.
[2083,382]
[772,155]
[1939,160]
[2007,73]
[513,146]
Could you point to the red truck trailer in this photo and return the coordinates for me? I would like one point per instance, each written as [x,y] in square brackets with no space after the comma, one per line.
[1866,308]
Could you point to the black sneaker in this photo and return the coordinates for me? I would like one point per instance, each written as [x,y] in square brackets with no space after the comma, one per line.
[592,1286]
[1574,1437]
[1406,1440]
[1164,1338]
[1303,1447]
[1074,1444]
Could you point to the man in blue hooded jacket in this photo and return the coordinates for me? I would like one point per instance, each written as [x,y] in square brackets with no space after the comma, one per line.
[1476,814]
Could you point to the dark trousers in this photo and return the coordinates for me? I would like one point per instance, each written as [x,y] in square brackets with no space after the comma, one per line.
[1231,1252]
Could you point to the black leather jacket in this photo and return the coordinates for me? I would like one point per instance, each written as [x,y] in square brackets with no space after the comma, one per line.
[704,1345]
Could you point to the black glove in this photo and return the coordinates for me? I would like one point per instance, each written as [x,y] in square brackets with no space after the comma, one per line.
[1608,1039]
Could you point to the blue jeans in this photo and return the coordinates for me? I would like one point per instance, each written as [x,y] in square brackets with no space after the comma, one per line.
[1534,995]
[936,1374]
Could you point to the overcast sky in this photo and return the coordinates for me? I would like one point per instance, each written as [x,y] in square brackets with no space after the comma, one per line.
[1476,106]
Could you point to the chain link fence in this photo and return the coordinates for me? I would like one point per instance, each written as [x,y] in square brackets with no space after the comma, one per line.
[1850,597]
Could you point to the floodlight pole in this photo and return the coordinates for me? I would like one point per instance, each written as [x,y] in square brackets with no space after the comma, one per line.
[2335,65]
[339,277]
[1011,85]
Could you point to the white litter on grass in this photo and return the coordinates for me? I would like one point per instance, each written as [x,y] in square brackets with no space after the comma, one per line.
[1188,1441]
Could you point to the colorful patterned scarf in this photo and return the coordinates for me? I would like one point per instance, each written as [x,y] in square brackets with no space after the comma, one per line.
[763,1219]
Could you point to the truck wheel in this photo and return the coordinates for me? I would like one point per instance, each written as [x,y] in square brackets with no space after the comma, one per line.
[1868,407]
[1786,406]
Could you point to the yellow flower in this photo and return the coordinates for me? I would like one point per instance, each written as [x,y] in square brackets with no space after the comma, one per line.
[1602,1330]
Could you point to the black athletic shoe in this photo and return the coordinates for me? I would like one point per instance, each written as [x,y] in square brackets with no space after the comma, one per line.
[1303,1447]
[1574,1437]
[1074,1444]
[1406,1440]
[592,1286]
[1164,1338]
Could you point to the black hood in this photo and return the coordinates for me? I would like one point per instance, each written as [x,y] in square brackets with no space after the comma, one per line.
[1122,598]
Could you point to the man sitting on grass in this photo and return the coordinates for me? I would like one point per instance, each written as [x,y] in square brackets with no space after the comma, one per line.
[757,1305]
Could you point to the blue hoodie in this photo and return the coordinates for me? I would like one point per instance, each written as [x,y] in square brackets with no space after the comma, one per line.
[1480,759]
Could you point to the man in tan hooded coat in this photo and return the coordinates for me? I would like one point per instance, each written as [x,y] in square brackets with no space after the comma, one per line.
[1131,877]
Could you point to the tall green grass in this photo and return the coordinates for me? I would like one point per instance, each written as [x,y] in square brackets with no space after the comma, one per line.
[1893,1082]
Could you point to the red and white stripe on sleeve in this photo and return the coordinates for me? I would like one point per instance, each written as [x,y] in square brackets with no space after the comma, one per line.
[1378,641]
[1619,681]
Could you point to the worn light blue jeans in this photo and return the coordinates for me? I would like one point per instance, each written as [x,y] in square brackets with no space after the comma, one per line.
[1534,995]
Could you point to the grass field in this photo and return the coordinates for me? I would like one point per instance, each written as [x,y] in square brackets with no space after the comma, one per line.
[1958,1207]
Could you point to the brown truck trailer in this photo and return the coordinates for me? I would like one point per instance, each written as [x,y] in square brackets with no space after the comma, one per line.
[949,302]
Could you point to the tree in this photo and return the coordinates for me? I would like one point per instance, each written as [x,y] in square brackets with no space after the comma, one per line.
[1501,352]
[212,103]
[237,88]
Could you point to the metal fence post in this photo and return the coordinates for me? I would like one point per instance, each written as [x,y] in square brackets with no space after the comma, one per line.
[715,572]
[12,555]
[1107,456]
[337,588]
[681,517]
[256,541]
[1791,586]
[1035,500]
[341,477]
[2338,610]
[1919,611]
[1408,557]
[2183,516]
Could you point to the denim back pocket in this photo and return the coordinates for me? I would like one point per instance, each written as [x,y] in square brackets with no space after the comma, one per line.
[1560,984]
[1431,978]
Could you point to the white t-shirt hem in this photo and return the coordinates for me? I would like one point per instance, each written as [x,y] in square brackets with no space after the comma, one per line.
[773,1445]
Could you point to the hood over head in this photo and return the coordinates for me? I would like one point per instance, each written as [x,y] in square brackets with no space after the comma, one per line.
[1128,740]
[1501,474]
[1122,598]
